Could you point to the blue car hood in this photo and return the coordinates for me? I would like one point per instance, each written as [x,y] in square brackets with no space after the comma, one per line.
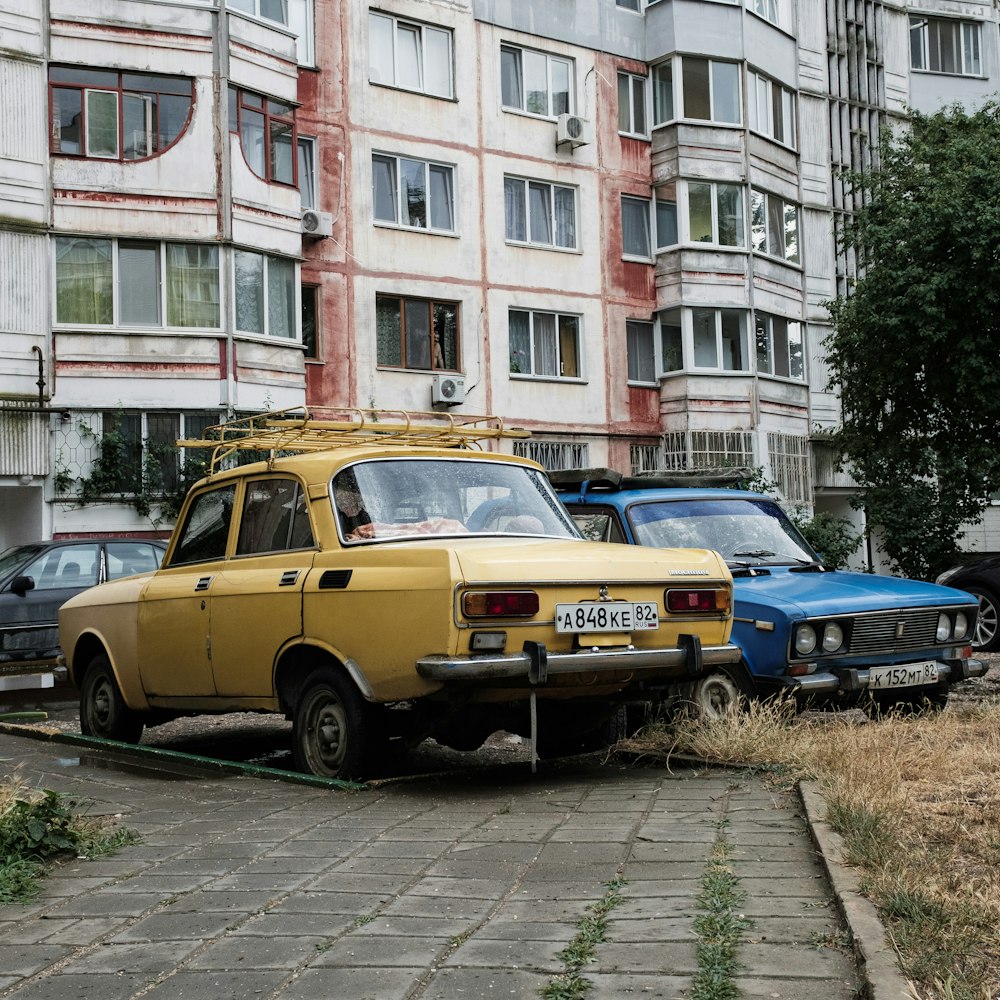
[809,594]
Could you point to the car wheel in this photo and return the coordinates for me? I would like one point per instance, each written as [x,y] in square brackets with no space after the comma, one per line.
[715,696]
[987,635]
[103,712]
[330,730]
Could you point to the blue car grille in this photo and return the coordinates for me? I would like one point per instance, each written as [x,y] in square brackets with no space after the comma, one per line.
[894,631]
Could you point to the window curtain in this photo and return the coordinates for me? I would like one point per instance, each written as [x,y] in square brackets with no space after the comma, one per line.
[514,209]
[252,140]
[775,226]
[437,62]
[569,347]
[389,331]
[192,285]
[729,207]
[442,198]
[791,233]
[511,79]
[380,49]
[446,336]
[282,152]
[706,353]
[249,286]
[546,349]
[635,227]
[624,103]
[540,213]
[762,337]
[281,297]
[417,333]
[139,283]
[519,341]
[84,281]
[666,222]
[413,191]
[384,192]
[639,348]
[565,211]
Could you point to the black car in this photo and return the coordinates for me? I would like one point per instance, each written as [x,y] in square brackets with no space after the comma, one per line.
[35,579]
[982,579]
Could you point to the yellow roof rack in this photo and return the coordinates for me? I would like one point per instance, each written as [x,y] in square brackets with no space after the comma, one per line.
[325,428]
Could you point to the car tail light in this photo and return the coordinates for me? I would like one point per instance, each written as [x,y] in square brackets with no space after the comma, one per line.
[500,604]
[697,600]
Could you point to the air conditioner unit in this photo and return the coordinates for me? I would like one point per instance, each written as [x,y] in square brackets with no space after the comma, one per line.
[574,130]
[317,224]
[448,389]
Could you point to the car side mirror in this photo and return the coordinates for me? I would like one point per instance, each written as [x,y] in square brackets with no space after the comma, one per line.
[22,584]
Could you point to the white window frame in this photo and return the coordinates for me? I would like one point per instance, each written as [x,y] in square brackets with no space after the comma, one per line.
[679,89]
[966,45]
[425,57]
[764,330]
[771,11]
[718,313]
[296,284]
[765,199]
[307,151]
[654,231]
[634,84]
[530,183]
[397,223]
[634,5]
[560,361]
[715,193]
[640,348]
[764,95]
[551,61]
[163,300]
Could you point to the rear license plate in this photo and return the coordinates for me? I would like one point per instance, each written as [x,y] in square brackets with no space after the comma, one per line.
[905,675]
[609,616]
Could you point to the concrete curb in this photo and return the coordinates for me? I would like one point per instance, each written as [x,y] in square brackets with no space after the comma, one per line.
[877,960]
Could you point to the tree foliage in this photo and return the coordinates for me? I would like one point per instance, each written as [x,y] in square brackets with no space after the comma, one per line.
[914,347]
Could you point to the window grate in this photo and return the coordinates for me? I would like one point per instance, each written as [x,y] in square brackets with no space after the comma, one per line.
[555,455]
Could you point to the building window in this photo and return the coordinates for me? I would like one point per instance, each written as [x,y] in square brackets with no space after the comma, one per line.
[267,132]
[539,213]
[413,193]
[116,116]
[136,283]
[771,109]
[416,333]
[410,55]
[663,93]
[718,338]
[534,82]
[554,455]
[770,10]
[779,346]
[641,349]
[636,223]
[715,214]
[544,344]
[307,172]
[265,294]
[711,90]
[632,105]
[629,4]
[790,466]
[310,320]
[774,226]
[945,45]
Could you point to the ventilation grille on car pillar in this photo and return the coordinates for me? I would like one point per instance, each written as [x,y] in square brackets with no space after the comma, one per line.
[335,579]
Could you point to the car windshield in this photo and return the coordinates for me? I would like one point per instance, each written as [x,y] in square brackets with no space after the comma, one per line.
[402,498]
[13,557]
[746,531]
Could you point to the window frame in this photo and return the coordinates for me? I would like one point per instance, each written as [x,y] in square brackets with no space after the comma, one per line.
[313,345]
[431,304]
[115,287]
[421,29]
[633,81]
[275,114]
[765,199]
[671,76]
[551,60]
[529,217]
[968,35]
[398,180]
[638,365]
[560,355]
[268,260]
[121,92]
[715,195]
[761,109]
[306,150]
[764,335]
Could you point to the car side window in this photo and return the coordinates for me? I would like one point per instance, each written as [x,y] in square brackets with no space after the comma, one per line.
[65,566]
[206,527]
[126,558]
[274,518]
[599,526]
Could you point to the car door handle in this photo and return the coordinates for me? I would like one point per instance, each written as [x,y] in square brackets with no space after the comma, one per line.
[288,578]
[202,584]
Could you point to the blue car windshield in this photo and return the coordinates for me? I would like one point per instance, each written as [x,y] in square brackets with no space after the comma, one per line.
[744,531]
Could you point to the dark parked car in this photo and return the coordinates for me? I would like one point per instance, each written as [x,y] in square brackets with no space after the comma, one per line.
[35,579]
[982,580]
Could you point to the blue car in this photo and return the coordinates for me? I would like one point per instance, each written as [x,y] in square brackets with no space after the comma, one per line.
[826,635]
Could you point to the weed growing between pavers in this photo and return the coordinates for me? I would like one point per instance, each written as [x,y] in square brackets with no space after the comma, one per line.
[719,926]
[570,985]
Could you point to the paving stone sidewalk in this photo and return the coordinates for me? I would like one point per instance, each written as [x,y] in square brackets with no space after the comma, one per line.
[458,886]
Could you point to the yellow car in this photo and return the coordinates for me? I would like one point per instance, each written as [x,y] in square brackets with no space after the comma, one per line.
[379,581]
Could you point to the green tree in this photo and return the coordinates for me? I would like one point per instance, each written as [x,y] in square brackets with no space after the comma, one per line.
[914,347]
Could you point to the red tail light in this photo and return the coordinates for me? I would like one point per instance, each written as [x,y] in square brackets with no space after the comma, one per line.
[500,604]
[699,600]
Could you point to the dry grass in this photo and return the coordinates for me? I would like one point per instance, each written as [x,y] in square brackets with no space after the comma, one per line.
[918,804]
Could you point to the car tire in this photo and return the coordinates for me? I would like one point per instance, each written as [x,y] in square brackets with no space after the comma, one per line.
[103,712]
[715,696]
[987,634]
[331,734]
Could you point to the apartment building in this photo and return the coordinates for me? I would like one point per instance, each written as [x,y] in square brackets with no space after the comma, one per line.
[613,223]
